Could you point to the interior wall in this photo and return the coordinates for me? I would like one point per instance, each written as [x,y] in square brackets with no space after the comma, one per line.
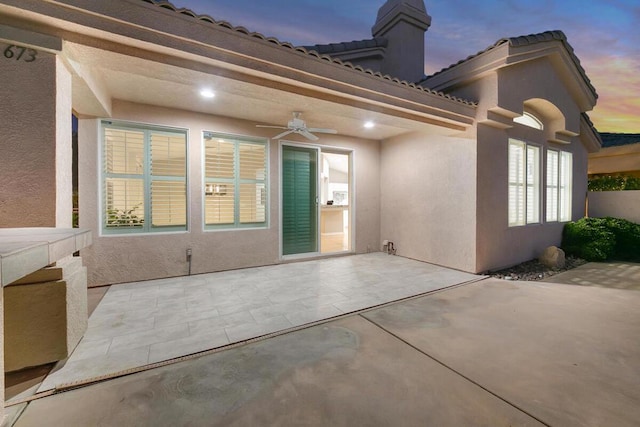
[428,199]
[116,259]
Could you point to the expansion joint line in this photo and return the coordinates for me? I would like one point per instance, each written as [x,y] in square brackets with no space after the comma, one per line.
[450,368]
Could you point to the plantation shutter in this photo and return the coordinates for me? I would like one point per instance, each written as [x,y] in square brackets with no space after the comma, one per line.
[144,179]
[235,182]
[552,185]
[252,182]
[565,184]
[219,181]
[124,179]
[533,184]
[517,167]
[168,179]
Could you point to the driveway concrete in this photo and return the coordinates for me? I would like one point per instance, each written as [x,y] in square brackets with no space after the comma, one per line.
[491,353]
[567,355]
[617,275]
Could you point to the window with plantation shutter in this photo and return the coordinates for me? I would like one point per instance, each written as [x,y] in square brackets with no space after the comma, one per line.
[235,182]
[144,179]
[524,183]
[559,188]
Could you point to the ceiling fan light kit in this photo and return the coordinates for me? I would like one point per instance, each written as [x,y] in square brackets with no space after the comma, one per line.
[297,125]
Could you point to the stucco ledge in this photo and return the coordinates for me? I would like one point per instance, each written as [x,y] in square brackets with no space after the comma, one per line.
[26,250]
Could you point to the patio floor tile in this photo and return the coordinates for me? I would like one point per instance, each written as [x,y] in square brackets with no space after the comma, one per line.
[166,318]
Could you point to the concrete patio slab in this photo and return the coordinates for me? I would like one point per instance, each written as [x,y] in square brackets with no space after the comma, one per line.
[136,324]
[568,355]
[617,275]
[343,373]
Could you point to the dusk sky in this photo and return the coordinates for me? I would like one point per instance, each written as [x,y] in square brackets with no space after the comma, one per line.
[605,35]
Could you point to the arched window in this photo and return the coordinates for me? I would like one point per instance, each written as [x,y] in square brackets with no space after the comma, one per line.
[530,120]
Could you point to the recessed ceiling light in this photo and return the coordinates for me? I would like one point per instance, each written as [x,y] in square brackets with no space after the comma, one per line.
[207,93]
[369,125]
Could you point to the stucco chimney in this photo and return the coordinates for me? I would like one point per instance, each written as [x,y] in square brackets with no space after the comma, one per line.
[403,23]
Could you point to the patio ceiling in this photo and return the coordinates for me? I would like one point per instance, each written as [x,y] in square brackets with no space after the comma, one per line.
[239,95]
[139,52]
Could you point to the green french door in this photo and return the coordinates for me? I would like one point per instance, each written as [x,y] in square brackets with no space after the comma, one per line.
[299,200]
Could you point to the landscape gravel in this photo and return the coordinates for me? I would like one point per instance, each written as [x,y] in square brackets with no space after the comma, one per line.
[534,270]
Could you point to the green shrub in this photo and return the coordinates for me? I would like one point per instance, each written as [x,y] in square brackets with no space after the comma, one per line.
[600,239]
[588,238]
[633,183]
[627,239]
[613,183]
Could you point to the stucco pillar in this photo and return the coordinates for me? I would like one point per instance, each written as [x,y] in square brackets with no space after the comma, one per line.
[1,358]
[35,139]
[35,136]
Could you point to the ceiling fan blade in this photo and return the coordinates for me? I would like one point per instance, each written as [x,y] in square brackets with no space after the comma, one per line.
[280,135]
[271,127]
[308,135]
[321,130]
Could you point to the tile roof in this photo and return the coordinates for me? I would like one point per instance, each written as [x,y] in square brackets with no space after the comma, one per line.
[596,134]
[616,139]
[166,4]
[348,46]
[528,40]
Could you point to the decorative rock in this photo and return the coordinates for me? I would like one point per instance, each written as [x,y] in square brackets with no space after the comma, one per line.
[553,257]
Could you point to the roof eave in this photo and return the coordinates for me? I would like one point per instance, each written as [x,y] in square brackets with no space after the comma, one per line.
[589,135]
[142,28]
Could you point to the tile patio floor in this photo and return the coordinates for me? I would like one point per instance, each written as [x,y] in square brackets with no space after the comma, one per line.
[137,324]
[489,353]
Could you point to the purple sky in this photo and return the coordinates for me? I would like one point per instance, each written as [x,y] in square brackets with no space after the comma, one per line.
[605,35]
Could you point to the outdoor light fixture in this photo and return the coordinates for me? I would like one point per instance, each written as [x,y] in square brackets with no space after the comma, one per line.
[369,125]
[207,93]
[215,190]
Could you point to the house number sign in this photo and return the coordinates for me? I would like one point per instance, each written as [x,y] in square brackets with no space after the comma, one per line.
[20,53]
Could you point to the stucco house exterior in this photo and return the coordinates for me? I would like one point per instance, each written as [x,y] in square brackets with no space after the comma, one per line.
[476,167]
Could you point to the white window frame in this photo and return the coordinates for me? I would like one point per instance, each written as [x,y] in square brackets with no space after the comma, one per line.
[523,184]
[145,176]
[528,119]
[559,186]
[235,182]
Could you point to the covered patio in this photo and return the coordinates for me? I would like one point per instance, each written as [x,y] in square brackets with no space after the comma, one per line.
[137,325]
[486,352]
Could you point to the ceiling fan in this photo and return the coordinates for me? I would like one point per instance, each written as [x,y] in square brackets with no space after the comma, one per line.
[297,125]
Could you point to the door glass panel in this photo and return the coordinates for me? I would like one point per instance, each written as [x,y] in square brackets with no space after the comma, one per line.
[335,202]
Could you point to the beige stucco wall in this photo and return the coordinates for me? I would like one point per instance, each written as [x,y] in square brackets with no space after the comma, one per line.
[35,142]
[114,259]
[538,79]
[498,244]
[46,319]
[428,198]
[618,204]
[2,358]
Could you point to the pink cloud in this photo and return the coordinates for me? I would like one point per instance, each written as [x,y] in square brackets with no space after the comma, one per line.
[617,80]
